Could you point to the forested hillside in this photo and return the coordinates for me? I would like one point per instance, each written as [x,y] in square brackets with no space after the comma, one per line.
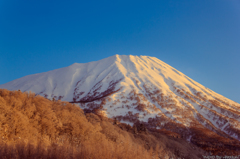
[34,127]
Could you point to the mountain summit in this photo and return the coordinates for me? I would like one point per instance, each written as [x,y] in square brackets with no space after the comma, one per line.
[79,82]
[141,89]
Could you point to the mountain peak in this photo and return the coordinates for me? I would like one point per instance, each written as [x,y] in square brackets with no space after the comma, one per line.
[137,88]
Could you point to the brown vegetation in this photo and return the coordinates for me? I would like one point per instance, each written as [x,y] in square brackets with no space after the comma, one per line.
[34,127]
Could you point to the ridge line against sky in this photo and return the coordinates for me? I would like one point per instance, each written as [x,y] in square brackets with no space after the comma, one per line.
[199,38]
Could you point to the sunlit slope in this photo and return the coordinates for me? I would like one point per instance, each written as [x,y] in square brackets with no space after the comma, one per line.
[138,88]
[34,127]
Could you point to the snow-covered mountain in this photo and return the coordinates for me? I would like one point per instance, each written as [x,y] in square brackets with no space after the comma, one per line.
[139,89]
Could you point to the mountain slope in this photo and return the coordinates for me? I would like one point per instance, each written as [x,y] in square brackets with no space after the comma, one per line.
[140,89]
[57,129]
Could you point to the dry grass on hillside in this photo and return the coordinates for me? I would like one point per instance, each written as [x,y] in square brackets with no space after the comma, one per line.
[85,151]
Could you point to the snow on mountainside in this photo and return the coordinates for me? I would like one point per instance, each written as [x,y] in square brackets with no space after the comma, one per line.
[139,89]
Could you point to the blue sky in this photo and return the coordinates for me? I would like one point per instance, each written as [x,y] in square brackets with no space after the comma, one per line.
[200,38]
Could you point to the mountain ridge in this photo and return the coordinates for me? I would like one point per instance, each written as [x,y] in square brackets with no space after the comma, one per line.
[139,89]
[116,60]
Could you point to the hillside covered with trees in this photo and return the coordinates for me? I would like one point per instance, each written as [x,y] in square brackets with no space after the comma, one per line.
[34,127]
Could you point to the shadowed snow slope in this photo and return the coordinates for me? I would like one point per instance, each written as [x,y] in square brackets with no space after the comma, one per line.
[139,89]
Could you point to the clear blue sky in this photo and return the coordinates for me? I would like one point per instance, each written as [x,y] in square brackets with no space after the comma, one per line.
[200,38]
